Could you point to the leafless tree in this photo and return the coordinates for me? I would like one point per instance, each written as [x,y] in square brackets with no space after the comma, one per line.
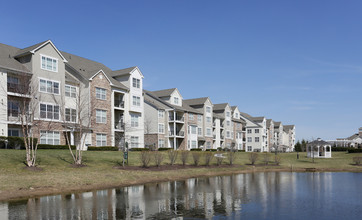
[196,156]
[231,155]
[184,156]
[145,157]
[158,156]
[208,157]
[253,156]
[172,155]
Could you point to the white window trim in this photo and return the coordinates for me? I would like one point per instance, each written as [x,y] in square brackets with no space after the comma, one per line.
[70,91]
[105,98]
[47,119]
[102,135]
[105,117]
[46,56]
[158,128]
[39,78]
[46,137]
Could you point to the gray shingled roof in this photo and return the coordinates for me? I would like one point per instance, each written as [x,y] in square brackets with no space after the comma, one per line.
[28,49]
[122,72]
[318,142]
[152,100]
[7,60]
[258,119]
[288,127]
[164,92]
[197,101]
[268,122]
[233,107]
[277,124]
[246,115]
[221,106]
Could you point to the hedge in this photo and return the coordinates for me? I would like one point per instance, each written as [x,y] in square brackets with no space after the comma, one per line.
[55,147]
[196,149]
[355,150]
[13,142]
[104,148]
[241,150]
[211,150]
[164,148]
[342,148]
[139,149]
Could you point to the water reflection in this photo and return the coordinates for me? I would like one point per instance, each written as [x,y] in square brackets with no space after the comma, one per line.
[254,195]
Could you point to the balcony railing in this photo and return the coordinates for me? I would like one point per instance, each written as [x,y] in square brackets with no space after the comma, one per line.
[18,88]
[178,118]
[119,104]
[179,133]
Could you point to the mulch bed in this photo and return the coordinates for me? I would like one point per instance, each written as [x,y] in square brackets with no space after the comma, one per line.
[171,167]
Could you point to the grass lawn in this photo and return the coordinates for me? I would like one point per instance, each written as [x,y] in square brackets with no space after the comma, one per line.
[57,175]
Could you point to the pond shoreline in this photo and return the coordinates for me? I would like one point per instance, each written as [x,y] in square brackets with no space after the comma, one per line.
[35,192]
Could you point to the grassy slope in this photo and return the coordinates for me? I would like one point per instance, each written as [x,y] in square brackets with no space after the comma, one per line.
[58,176]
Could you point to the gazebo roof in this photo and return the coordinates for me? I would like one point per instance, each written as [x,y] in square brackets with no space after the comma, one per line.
[318,142]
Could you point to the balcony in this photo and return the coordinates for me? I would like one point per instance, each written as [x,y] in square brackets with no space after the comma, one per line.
[118,104]
[16,88]
[177,119]
[119,126]
[178,134]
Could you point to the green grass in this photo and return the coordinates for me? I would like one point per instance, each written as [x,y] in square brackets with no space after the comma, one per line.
[57,175]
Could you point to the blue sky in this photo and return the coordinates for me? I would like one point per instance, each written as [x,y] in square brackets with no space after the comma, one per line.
[299,62]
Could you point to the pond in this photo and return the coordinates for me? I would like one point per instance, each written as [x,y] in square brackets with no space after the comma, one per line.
[272,195]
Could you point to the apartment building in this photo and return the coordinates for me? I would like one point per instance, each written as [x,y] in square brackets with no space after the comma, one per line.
[70,98]
[256,133]
[239,135]
[354,140]
[223,126]
[270,134]
[290,134]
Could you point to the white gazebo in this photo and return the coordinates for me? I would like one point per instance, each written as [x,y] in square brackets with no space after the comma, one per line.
[319,149]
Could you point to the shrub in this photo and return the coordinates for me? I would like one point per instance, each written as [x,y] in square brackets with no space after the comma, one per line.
[241,150]
[358,150]
[164,148]
[219,149]
[13,142]
[139,149]
[253,157]
[208,157]
[104,148]
[55,147]
[266,158]
[277,159]
[196,156]
[357,160]
[210,150]
[158,156]
[184,156]
[196,149]
[231,157]
[145,157]
[219,160]
[341,148]
[172,155]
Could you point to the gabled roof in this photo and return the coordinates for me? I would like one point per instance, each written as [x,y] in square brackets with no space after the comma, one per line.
[268,122]
[190,109]
[126,71]
[219,107]
[165,92]
[197,101]
[318,142]
[277,124]
[246,115]
[155,101]
[258,119]
[355,136]
[35,47]
[7,60]
[288,127]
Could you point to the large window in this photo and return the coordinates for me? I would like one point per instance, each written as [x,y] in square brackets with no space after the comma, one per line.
[101,93]
[136,101]
[101,140]
[49,86]
[70,91]
[134,141]
[161,128]
[13,108]
[101,116]
[48,111]
[50,137]
[49,63]
[161,143]
[136,83]
[134,120]
[70,115]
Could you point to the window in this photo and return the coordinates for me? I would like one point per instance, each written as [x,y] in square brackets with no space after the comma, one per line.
[161,143]
[232,135]
[13,132]
[191,116]
[70,115]
[192,129]
[208,145]
[199,131]
[228,134]
[208,131]
[227,114]
[101,116]
[136,101]
[161,128]
[48,63]
[175,100]
[250,148]
[208,119]
[136,83]
[49,111]
[249,131]
[13,82]
[134,141]
[101,140]
[240,146]
[193,144]
[240,135]
[13,109]
[256,131]
[50,137]
[101,93]
[236,115]
[228,123]
[256,139]
[161,113]
[208,109]
[199,118]
[134,120]
[70,91]
[49,86]
[250,139]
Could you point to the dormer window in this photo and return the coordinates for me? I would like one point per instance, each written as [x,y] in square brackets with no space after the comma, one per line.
[236,115]
[227,114]
[49,63]
[175,100]
[136,83]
